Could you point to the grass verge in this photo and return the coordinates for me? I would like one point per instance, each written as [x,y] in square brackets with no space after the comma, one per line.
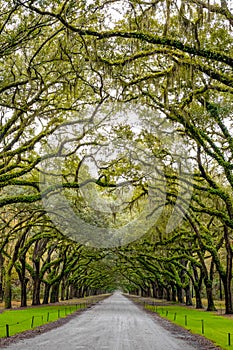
[17,321]
[217,328]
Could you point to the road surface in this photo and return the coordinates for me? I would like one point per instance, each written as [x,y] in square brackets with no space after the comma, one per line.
[114,324]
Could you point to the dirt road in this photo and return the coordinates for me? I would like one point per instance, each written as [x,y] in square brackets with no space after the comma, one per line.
[114,324]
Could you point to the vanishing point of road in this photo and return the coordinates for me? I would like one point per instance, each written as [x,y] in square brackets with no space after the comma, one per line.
[115,323]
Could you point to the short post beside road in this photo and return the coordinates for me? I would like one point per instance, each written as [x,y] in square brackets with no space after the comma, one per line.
[7,331]
[32,323]
[202,327]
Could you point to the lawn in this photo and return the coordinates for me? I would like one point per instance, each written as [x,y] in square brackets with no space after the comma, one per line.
[32,317]
[19,320]
[213,326]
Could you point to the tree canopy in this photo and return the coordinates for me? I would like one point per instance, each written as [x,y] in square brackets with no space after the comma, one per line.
[116,148]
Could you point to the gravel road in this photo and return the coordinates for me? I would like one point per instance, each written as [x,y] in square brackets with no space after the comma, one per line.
[114,324]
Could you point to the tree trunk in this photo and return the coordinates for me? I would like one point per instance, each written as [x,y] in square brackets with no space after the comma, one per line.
[1,277]
[67,292]
[36,291]
[73,291]
[228,279]
[1,293]
[8,292]
[197,285]
[63,289]
[168,293]
[220,289]
[180,295]
[209,295]
[228,296]
[199,304]
[155,295]
[24,283]
[46,293]
[54,297]
[160,292]
[188,296]
[173,293]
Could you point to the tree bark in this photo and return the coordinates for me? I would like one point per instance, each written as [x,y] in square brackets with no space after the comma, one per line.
[174,293]
[228,278]
[8,292]
[197,284]
[180,295]
[1,277]
[154,289]
[209,295]
[63,290]
[168,293]
[54,297]
[36,291]
[188,296]
[46,293]
[24,283]
[160,292]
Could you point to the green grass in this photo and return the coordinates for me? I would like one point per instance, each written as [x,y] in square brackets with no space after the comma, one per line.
[216,327]
[29,318]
